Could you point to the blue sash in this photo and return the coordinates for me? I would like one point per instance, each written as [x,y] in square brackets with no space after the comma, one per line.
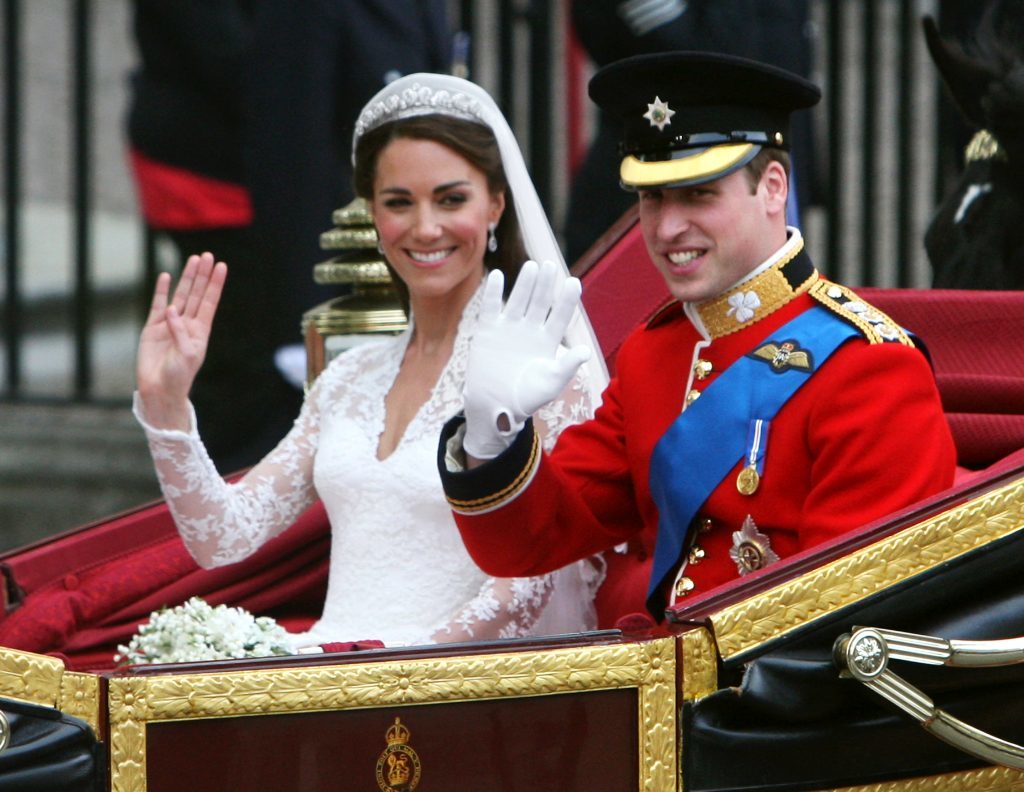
[707,440]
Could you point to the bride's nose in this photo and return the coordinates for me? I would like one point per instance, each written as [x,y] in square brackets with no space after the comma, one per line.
[427,225]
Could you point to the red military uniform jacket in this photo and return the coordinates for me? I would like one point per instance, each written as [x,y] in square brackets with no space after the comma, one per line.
[865,436]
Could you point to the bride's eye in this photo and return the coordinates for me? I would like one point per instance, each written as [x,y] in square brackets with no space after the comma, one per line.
[454,199]
[396,202]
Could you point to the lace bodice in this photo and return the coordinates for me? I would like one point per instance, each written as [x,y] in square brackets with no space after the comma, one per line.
[398,569]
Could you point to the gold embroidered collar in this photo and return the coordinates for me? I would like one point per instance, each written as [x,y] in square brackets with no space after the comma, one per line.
[752,300]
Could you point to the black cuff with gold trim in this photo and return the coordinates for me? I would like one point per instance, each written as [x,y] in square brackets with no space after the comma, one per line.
[494,482]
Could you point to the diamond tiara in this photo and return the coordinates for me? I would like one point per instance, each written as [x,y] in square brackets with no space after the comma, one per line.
[418,100]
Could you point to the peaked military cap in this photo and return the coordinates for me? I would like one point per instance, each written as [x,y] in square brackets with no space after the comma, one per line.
[692,117]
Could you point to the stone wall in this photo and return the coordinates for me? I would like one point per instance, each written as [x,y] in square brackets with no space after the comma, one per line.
[65,466]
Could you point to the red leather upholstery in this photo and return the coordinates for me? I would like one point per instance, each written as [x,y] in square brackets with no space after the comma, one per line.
[976,341]
[83,593]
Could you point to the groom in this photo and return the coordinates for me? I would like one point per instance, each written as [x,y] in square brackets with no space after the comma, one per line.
[760,412]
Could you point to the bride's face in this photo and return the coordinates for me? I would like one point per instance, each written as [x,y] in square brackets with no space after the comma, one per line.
[432,209]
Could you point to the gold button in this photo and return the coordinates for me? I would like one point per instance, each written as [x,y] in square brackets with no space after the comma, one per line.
[702,368]
[684,586]
[692,396]
[706,525]
[778,138]
[696,554]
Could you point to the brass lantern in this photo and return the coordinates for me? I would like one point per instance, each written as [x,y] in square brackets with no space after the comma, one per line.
[371,309]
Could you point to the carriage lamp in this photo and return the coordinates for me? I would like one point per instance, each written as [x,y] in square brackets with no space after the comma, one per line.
[370,310]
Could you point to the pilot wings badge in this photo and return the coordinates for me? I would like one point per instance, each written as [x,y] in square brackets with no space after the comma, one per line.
[784,356]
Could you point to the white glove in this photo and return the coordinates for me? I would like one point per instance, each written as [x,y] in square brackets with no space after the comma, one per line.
[517,362]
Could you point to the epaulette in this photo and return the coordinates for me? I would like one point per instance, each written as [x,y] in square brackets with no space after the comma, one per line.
[665,313]
[876,326]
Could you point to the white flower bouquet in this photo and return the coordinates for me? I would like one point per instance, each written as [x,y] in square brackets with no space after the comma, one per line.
[197,631]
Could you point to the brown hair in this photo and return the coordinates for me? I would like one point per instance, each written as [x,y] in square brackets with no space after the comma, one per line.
[755,168]
[473,142]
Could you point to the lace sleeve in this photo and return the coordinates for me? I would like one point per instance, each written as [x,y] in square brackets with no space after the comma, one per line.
[573,405]
[504,608]
[222,523]
[559,602]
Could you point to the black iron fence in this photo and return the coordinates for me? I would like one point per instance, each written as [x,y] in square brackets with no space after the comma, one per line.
[884,147]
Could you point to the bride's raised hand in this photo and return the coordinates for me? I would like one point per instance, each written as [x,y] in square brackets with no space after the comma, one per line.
[173,342]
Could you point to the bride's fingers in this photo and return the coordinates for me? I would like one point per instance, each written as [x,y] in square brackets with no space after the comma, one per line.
[199,285]
[158,306]
[179,332]
[211,295]
[184,287]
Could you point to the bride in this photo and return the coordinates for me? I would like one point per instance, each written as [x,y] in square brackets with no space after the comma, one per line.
[451,200]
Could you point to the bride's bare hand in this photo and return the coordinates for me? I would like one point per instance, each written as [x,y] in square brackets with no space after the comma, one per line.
[173,343]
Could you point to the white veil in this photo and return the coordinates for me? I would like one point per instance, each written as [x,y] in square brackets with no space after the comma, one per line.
[444,94]
[570,606]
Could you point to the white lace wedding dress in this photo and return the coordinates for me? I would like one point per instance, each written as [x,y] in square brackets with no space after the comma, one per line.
[398,570]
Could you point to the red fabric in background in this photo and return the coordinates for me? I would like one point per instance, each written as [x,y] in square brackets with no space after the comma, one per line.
[180,199]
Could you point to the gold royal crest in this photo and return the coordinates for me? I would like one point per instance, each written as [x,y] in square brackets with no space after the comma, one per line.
[398,768]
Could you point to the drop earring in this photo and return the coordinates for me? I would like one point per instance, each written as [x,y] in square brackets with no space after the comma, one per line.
[492,239]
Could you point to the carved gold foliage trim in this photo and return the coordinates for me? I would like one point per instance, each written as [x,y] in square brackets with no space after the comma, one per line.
[30,677]
[256,691]
[746,625]
[987,779]
[128,708]
[658,712]
[42,680]
[648,666]
[80,697]
[700,664]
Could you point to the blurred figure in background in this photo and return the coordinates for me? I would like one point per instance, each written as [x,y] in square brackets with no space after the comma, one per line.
[239,125]
[312,68]
[610,30]
[975,239]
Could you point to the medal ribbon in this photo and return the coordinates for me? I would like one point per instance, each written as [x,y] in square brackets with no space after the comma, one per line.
[757,444]
[703,444]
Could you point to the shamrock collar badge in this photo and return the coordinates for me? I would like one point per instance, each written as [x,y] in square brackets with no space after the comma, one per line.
[743,305]
[659,114]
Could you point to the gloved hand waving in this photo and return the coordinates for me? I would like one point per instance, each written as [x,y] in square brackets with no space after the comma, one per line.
[517,362]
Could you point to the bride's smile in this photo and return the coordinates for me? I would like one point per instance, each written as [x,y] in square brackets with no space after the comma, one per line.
[432,209]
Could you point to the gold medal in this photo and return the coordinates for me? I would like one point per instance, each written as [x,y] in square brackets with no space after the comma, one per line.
[748,480]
